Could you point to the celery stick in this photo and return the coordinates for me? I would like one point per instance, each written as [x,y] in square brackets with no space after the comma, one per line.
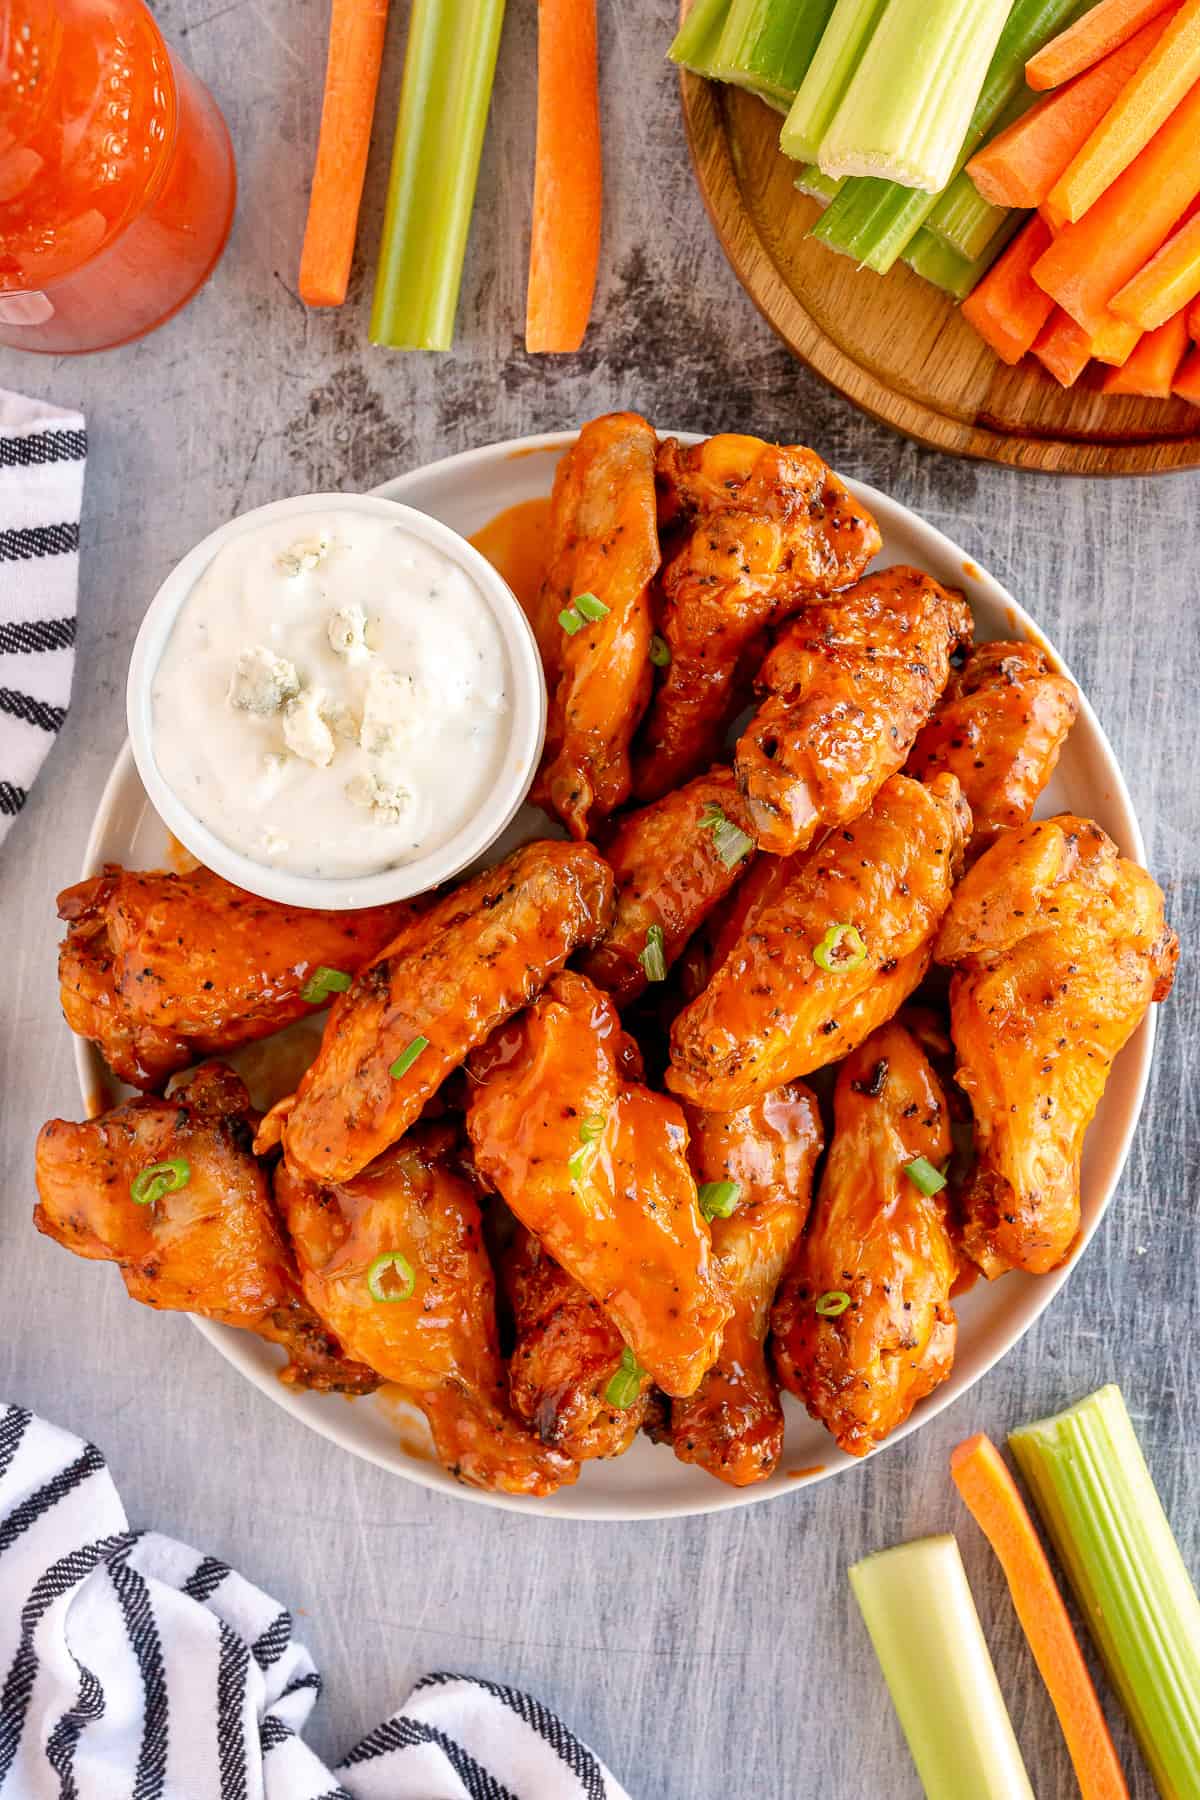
[1096,1497]
[838,56]
[695,45]
[820,187]
[963,219]
[444,99]
[958,275]
[767,45]
[872,220]
[910,101]
[926,1632]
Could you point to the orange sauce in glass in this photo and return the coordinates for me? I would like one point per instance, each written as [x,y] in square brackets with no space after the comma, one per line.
[515,544]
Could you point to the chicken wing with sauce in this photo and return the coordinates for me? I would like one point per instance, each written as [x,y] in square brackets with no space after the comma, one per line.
[1001,723]
[848,686]
[758,530]
[438,989]
[867,902]
[438,1340]
[603,543]
[160,971]
[211,1247]
[876,1239]
[595,1165]
[1059,944]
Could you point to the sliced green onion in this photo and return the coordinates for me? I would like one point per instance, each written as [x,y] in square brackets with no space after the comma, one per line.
[654,957]
[842,948]
[592,1128]
[923,1175]
[158,1179]
[718,1198]
[590,607]
[699,36]
[448,71]
[626,1384]
[729,840]
[833,1304]
[390,1277]
[408,1057]
[767,46]
[926,1632]
[571,621]
[660,652]
[1097,1499]
[323,982]
[829,75]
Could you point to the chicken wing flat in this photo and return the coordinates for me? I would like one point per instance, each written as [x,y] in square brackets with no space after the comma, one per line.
[438,989]
[848,686]
[211,1244]
[1059,945]
[760,529]
[877,1241]
[733,1424]
[394,1262]
[604,545]
[596,1167]
[1001,723]
[674,863]
[832,943]
[160,971]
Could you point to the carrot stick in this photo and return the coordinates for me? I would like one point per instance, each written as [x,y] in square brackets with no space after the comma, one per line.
[991,1495]
[1102,29]
[1154,364]
[1008,309]
[1022,163]
[1194,322]
[356,32]
[1187,380]
[564,253]
[1144,104]
[1063,348]
[1089,261]
[1166,284]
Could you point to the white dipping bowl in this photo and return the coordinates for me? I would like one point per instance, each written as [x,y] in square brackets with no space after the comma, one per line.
[337,894]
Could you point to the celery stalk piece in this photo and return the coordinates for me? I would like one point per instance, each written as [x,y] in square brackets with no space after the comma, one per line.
[963,219]
[829,74]
[926,1632]
[696,41]
[820,187]
[872,220]
[910,101]
[767,45]
[1097,1500]
[958,275]
[448,69]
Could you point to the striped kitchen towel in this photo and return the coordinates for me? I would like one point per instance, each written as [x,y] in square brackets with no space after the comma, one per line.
[42,451]
[131,1667]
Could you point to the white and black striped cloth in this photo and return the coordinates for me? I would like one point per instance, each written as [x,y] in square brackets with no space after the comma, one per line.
[133,1669]
[42,452]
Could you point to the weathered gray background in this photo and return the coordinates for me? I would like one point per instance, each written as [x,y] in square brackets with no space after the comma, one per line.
[715,1658]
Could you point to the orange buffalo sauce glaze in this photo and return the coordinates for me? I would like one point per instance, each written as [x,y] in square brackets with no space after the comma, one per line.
[515,543]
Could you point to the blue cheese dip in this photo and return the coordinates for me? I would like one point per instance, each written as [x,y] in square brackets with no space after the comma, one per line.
[334,697]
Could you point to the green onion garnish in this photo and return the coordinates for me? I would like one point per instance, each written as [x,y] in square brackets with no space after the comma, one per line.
[654,957]
[159,1179]
[842,947]
[407,1058]
[660,652]
[323,982]
[626,1384]
[718,1198]
[590,607]
[833,1304]
[390,1277]
[922,1174]
[571,621]
[592,1128]
[730,840]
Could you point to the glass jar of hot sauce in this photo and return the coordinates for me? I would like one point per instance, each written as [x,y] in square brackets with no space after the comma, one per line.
[117,181]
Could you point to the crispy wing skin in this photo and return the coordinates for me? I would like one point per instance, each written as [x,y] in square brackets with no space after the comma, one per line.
[596,1167]
[733,1424]
[669,873]
[453,975]
[876,1237]
[214,1247]
[1001,723]
[440,1344]
[604,542]
[1059,945]
[771,1013]
[847,688]
[759,529]
[161,970]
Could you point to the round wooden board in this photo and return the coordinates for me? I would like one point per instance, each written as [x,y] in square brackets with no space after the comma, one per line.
[893,344]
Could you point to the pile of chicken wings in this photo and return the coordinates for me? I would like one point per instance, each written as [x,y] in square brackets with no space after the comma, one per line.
[555,1172]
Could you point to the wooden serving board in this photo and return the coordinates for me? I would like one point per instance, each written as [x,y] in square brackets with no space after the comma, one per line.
[893,344]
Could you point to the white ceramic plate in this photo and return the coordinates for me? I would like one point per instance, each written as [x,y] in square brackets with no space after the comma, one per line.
[465,492]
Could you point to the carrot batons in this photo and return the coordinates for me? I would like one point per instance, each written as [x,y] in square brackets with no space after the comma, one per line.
[564,252]
[1008,309]
[1167,283]
[356,32]
[1063,348]
[1100,31]
[1187,379]
[1154,363]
